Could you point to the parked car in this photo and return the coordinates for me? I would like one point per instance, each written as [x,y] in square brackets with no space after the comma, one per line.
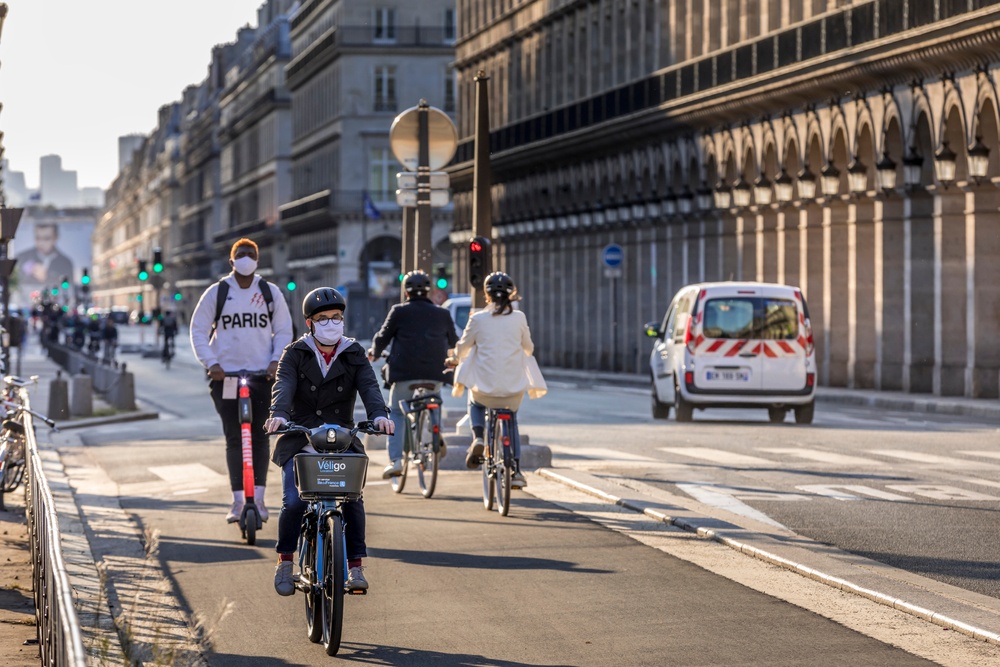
[119,315]
[460,308]
[734,345]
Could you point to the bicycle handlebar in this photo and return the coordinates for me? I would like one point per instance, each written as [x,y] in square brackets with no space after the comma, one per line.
[18,406]
[361,427]
[19,381]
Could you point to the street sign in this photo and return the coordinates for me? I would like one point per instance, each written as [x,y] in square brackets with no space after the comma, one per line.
[613,256]
[612,273]
[442,138]
[407,180]
[439,198]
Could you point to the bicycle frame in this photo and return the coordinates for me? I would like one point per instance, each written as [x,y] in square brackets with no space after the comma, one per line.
[424,405]
[498,466]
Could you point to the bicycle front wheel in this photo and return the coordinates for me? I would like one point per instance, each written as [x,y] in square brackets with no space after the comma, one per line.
[489,479]
[307,577]
[501,449]
[334,578]
[427,453]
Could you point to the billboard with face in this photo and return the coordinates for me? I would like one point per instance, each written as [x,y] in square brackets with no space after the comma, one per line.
[50,246]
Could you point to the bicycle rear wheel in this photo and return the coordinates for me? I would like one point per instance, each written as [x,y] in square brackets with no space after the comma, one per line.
[307,577]
[399,482]
[503,470]
[489,470]
[427,455]
[334,578]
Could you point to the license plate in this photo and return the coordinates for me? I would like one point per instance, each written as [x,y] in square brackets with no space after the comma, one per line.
[727,376]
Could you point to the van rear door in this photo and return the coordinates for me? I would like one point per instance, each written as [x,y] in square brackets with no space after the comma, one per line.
[725,356]
[783,333]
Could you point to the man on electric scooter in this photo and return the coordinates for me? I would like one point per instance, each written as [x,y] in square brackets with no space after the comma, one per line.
[246,329]
[421,334]
[319,378]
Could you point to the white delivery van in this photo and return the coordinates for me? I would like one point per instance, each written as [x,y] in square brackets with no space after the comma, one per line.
[734,345]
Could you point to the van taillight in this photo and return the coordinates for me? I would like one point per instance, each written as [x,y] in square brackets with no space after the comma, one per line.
[689,378]
[810,379]
[810,345]
[688,339]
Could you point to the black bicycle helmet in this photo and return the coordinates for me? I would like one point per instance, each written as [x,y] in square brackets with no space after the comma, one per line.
[417,283]
[499,286]
[322,298]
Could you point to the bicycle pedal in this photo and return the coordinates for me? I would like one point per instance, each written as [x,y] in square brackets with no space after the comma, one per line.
[365,592]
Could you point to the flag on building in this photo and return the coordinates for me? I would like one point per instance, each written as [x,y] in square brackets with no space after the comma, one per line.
[370,211]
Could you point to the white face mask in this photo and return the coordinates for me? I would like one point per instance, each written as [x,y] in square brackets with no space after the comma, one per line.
[245,266]
[329,332]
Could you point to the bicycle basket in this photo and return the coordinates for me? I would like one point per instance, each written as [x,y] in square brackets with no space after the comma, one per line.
[336,475]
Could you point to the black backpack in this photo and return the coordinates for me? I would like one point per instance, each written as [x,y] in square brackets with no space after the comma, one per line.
[223,294]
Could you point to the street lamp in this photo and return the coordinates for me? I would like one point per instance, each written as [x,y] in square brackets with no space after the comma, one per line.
[857,176]
[807,183]
[741,193]
[979,159]
[723,195]
[830,180]
[685,200]
[944,164]
[784,190]
[762,190]
[705,197]
[912,167]
[886,170]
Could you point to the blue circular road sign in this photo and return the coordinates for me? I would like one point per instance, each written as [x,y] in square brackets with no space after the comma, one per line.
[613,256]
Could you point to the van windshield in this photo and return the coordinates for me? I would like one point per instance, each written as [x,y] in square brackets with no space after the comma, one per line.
[759,318]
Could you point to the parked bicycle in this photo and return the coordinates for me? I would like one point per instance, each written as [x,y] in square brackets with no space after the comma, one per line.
[250,520]
[422,442]
[12,436]
[325,480]
[498,464]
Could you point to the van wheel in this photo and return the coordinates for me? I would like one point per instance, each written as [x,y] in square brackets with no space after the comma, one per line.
[776,415]
[683,411]
[804,413]
[661,410]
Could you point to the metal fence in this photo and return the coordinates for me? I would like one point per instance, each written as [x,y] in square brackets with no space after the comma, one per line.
[59,636]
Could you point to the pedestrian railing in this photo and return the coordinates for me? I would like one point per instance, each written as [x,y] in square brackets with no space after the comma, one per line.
[59,637]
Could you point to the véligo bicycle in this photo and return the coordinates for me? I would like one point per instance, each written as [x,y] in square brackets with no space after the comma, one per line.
[498,464]
[325,480]
[250,520]
[422,439]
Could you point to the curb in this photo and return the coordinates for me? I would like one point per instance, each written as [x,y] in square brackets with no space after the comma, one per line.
[131,416]
[839,583]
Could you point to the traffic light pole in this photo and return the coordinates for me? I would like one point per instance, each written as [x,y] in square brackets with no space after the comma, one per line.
[482,204]
[409,231]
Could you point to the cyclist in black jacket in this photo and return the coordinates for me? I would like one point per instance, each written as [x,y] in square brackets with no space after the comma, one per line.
[421,334]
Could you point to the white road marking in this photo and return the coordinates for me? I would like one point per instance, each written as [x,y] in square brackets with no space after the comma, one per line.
[718,456]
[720,497]
[940,492]
[920,457]
[601,454]
[187,473]
[981,452]
[822,456]
[831,491]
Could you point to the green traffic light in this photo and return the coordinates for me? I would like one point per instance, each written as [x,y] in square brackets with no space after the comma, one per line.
[65,285]
[138,298]
[291,285]
[178,296]
[85,280]
[143,275]
[55,291]
[157,268]
[442,283]
[401,276]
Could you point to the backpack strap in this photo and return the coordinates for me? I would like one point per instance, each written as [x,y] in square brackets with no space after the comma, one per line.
[223,293]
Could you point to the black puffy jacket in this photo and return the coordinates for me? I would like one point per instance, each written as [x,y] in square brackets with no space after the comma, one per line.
[420,333]
[301,394]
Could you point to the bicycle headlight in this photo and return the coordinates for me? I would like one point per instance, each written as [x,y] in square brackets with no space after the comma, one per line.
[331,435]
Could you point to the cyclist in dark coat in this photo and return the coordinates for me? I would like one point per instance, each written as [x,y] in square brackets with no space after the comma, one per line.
[421,334]
[319,377]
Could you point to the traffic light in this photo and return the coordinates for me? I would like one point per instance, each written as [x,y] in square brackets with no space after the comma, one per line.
[290,285]
[178,296]
[157,260]
[143,273]
[442,277]
[138,297]
[479,260]
[64,283]
[85,278]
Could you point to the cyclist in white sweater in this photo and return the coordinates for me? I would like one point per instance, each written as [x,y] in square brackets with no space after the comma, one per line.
[248,333]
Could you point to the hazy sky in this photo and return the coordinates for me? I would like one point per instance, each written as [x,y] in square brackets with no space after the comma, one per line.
[77,74]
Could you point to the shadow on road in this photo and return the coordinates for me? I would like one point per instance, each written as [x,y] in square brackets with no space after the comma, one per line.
[479,562]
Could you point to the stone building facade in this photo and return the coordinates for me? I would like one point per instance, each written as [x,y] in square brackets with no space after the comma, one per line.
[280,143]
[849,148]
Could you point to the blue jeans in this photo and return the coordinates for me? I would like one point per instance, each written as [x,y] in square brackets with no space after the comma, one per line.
[477,417]
[293,508]
[400,391]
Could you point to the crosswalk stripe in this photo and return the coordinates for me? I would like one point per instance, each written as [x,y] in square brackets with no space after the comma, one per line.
[920,457]
[187,473]
[822,456]
[717,456]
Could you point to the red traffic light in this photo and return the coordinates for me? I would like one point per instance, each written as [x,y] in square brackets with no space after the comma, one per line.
[476,246]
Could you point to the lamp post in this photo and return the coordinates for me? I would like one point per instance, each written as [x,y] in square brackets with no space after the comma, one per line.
[9,219]
[807,183]
[979,159]
[944,164]
[886,169]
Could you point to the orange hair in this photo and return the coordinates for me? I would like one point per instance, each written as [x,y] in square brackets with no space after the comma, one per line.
[242,242]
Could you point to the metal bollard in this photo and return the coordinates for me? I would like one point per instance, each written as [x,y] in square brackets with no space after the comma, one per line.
[58,398]
[82,396]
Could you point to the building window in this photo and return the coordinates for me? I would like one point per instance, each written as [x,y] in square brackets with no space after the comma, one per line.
[385,24]
[382,170]
[449,26]
[385,88]
[449,90]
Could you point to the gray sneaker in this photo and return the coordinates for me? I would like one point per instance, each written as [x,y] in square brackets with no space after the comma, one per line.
[356,579]
[517,480]
[234,512]
[283,578]
[442,449]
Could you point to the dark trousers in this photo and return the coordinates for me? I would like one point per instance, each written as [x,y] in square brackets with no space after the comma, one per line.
[293,508]
[229,411]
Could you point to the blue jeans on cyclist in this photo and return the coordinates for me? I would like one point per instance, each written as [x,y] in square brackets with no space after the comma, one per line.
[293,508]
[477,419]
[401,391]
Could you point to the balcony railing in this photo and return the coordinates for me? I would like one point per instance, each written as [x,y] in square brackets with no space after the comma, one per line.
[361,36]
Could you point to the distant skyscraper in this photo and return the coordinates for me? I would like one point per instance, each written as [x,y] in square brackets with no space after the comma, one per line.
[58,186]
[15,189]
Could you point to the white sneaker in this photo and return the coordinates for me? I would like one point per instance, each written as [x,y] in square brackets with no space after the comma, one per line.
[258,499]
[356,579]
[394,469]
[283,584]
[234,512]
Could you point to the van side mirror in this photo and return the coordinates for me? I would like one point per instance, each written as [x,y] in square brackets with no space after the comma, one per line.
[652,329]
